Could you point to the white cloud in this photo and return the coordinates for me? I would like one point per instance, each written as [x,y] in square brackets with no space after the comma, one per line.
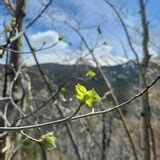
[47,36]
[45,58]
[55,54]
[63,53]
[103,50]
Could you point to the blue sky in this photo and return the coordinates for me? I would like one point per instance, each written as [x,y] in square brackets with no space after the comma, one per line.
[89,14]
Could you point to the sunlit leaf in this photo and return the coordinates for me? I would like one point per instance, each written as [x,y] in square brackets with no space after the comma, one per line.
[80,92]
[48,141]
[93,98]
[90,98]
[91,74]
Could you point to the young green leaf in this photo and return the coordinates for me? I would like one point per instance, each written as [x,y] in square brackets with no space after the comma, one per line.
[80,92]
[48,141]
[91,74]
[93,98]
[90,98]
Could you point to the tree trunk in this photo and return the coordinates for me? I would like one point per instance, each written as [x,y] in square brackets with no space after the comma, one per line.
[15,62]
[145,113]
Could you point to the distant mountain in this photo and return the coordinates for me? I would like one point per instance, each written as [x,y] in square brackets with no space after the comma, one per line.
[122,77]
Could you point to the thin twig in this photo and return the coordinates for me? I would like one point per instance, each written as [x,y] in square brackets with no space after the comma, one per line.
[72,117]
[28,52]
[29,137]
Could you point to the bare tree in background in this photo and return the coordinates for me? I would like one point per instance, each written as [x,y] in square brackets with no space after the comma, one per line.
[147,134]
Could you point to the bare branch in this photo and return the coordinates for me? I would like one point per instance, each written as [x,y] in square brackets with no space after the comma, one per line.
[72,117]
